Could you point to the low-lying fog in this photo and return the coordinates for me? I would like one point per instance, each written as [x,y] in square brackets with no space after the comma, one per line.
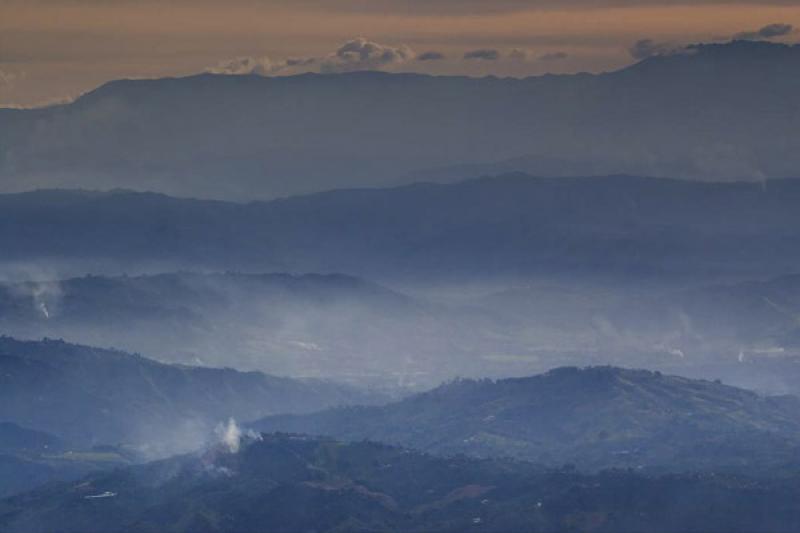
[413,336]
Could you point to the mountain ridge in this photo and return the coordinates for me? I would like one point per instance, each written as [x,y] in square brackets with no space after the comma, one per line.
[731,51]
[90,396]
[633,226]
[259,132]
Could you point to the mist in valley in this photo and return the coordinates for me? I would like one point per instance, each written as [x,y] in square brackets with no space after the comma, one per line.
[413,337]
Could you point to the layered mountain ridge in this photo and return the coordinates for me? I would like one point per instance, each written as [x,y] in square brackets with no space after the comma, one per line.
[716,111]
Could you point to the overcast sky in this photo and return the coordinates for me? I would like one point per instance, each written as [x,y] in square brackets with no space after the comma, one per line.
[57,49]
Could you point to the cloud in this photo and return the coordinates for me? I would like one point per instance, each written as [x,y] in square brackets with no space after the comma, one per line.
[261,66]
[770,31]
[361,54]
[7,78]
[518,54]
[299,61]
[645,48]
[485,54]
[553,56]
[430,56]
[355,54]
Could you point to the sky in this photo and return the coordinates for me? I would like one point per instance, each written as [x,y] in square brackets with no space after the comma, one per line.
[54,50]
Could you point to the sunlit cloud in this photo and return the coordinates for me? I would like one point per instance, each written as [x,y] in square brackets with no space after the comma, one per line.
[770,31]
[553,56]
[644,48]
[362,54]
[431,56]
[485,54]
[354,55]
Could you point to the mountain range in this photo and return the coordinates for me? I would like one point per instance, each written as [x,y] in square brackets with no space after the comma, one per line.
[605,449]
[716,111]
[515,226]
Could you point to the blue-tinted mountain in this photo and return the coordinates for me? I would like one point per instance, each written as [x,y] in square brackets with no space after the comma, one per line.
[513,225]
[625,248]
[717,111]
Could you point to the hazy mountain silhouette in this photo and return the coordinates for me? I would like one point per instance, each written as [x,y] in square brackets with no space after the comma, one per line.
[716,111]
[514,225]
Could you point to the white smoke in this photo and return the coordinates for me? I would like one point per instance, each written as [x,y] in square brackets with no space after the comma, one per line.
[231,435]
[44,296]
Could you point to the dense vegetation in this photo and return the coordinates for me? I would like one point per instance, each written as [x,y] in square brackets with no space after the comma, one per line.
[287,483]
